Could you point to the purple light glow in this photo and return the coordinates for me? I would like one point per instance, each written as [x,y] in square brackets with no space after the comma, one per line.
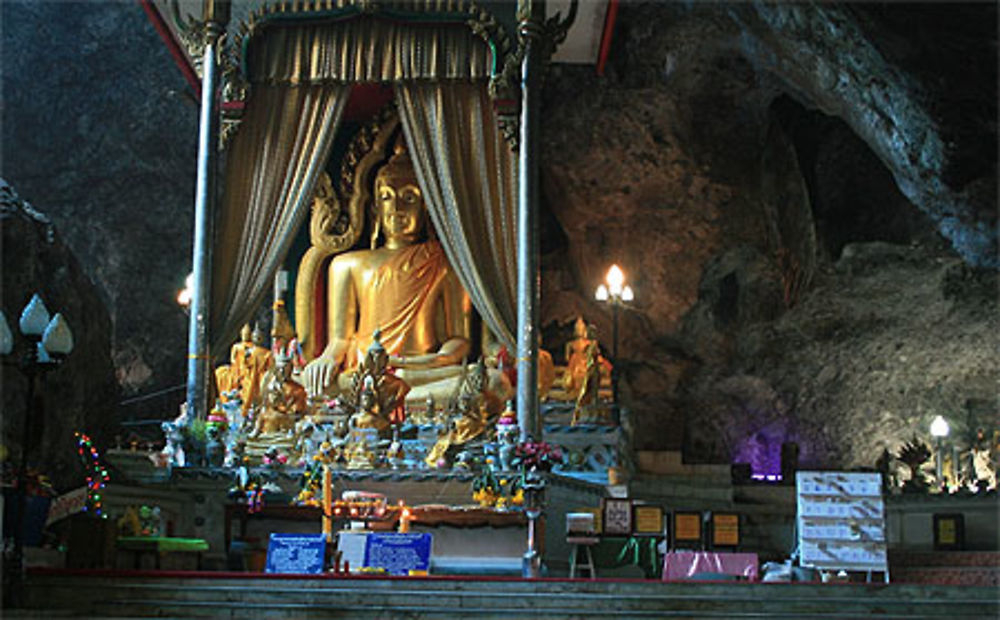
[766,477]
[763,451]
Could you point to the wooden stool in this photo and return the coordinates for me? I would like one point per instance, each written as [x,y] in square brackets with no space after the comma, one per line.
[585,542]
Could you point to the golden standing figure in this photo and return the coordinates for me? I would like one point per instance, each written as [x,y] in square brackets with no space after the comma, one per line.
[588,408]
[576,359]
[248,361]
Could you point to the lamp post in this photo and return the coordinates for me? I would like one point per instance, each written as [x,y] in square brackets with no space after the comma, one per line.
[49,342]
[939,430]
[615,292]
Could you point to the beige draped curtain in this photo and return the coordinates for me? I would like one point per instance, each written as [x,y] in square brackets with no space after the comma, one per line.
[469,177]
[301,73]
[368,50]
[275,158]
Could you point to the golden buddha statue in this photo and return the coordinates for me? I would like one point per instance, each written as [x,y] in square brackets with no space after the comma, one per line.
[248,361]
[576,359]
[406,289]
[284,340]
[589,408]
[283,403]
[370,414]
[386,390]
[469,425]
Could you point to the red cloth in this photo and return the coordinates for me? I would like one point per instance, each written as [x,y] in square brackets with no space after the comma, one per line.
[686,564]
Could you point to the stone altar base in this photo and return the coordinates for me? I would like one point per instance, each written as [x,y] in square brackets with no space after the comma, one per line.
[52,593]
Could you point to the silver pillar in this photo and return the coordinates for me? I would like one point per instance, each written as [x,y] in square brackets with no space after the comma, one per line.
[199,356]
[527,226]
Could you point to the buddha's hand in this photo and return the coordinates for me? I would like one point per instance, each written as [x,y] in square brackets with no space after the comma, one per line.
[319,375]
[423,360]
[451,353]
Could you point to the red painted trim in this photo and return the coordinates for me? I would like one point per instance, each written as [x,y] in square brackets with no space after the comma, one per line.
[175,50]
[609,28]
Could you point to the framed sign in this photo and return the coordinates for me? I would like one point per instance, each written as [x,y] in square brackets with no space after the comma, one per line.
[841,521]
[725,530]
[647,520]
[398,553]
[617,516]
[687,529]
[949,532]
[296,553]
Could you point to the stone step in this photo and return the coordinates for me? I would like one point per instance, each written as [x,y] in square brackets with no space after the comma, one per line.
[986,559]
[942,575]
[970,568]
[214,595]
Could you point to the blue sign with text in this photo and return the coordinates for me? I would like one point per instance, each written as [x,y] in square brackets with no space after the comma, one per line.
[398,554]
[296,553]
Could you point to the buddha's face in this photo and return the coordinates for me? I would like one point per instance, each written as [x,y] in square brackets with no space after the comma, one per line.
[400,207]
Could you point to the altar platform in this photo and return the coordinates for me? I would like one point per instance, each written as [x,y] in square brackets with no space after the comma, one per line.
[106,594]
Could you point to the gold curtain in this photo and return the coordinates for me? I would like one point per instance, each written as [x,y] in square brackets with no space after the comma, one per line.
[469,178]
[366,50]
[274,161]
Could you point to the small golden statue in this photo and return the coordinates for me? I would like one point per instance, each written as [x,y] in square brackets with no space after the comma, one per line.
[589,408]
[283,403]
[284,340]
[471,421]
[576,359]
[386,390]
[248,361]
[369,413]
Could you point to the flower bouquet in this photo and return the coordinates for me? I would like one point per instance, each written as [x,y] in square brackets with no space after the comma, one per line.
[538,455]
[500,493]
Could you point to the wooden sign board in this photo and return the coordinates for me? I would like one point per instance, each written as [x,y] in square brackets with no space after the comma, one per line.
[647,520]
[841,521]
[725,530]
[687,529]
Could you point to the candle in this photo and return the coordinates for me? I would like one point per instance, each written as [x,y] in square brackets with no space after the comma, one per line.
[328,503]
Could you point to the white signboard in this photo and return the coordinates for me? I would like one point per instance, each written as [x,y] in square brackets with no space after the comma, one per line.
[841,521]
[67,504]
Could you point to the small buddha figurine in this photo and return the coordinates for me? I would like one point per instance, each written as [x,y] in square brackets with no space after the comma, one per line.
[388,390]
[369,413]
[430,411]
[469,425]
[360,455]
[284,340]
[284,401]
[248,361]
[395,454]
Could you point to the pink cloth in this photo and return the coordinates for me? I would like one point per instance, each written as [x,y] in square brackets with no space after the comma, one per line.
[686,564]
